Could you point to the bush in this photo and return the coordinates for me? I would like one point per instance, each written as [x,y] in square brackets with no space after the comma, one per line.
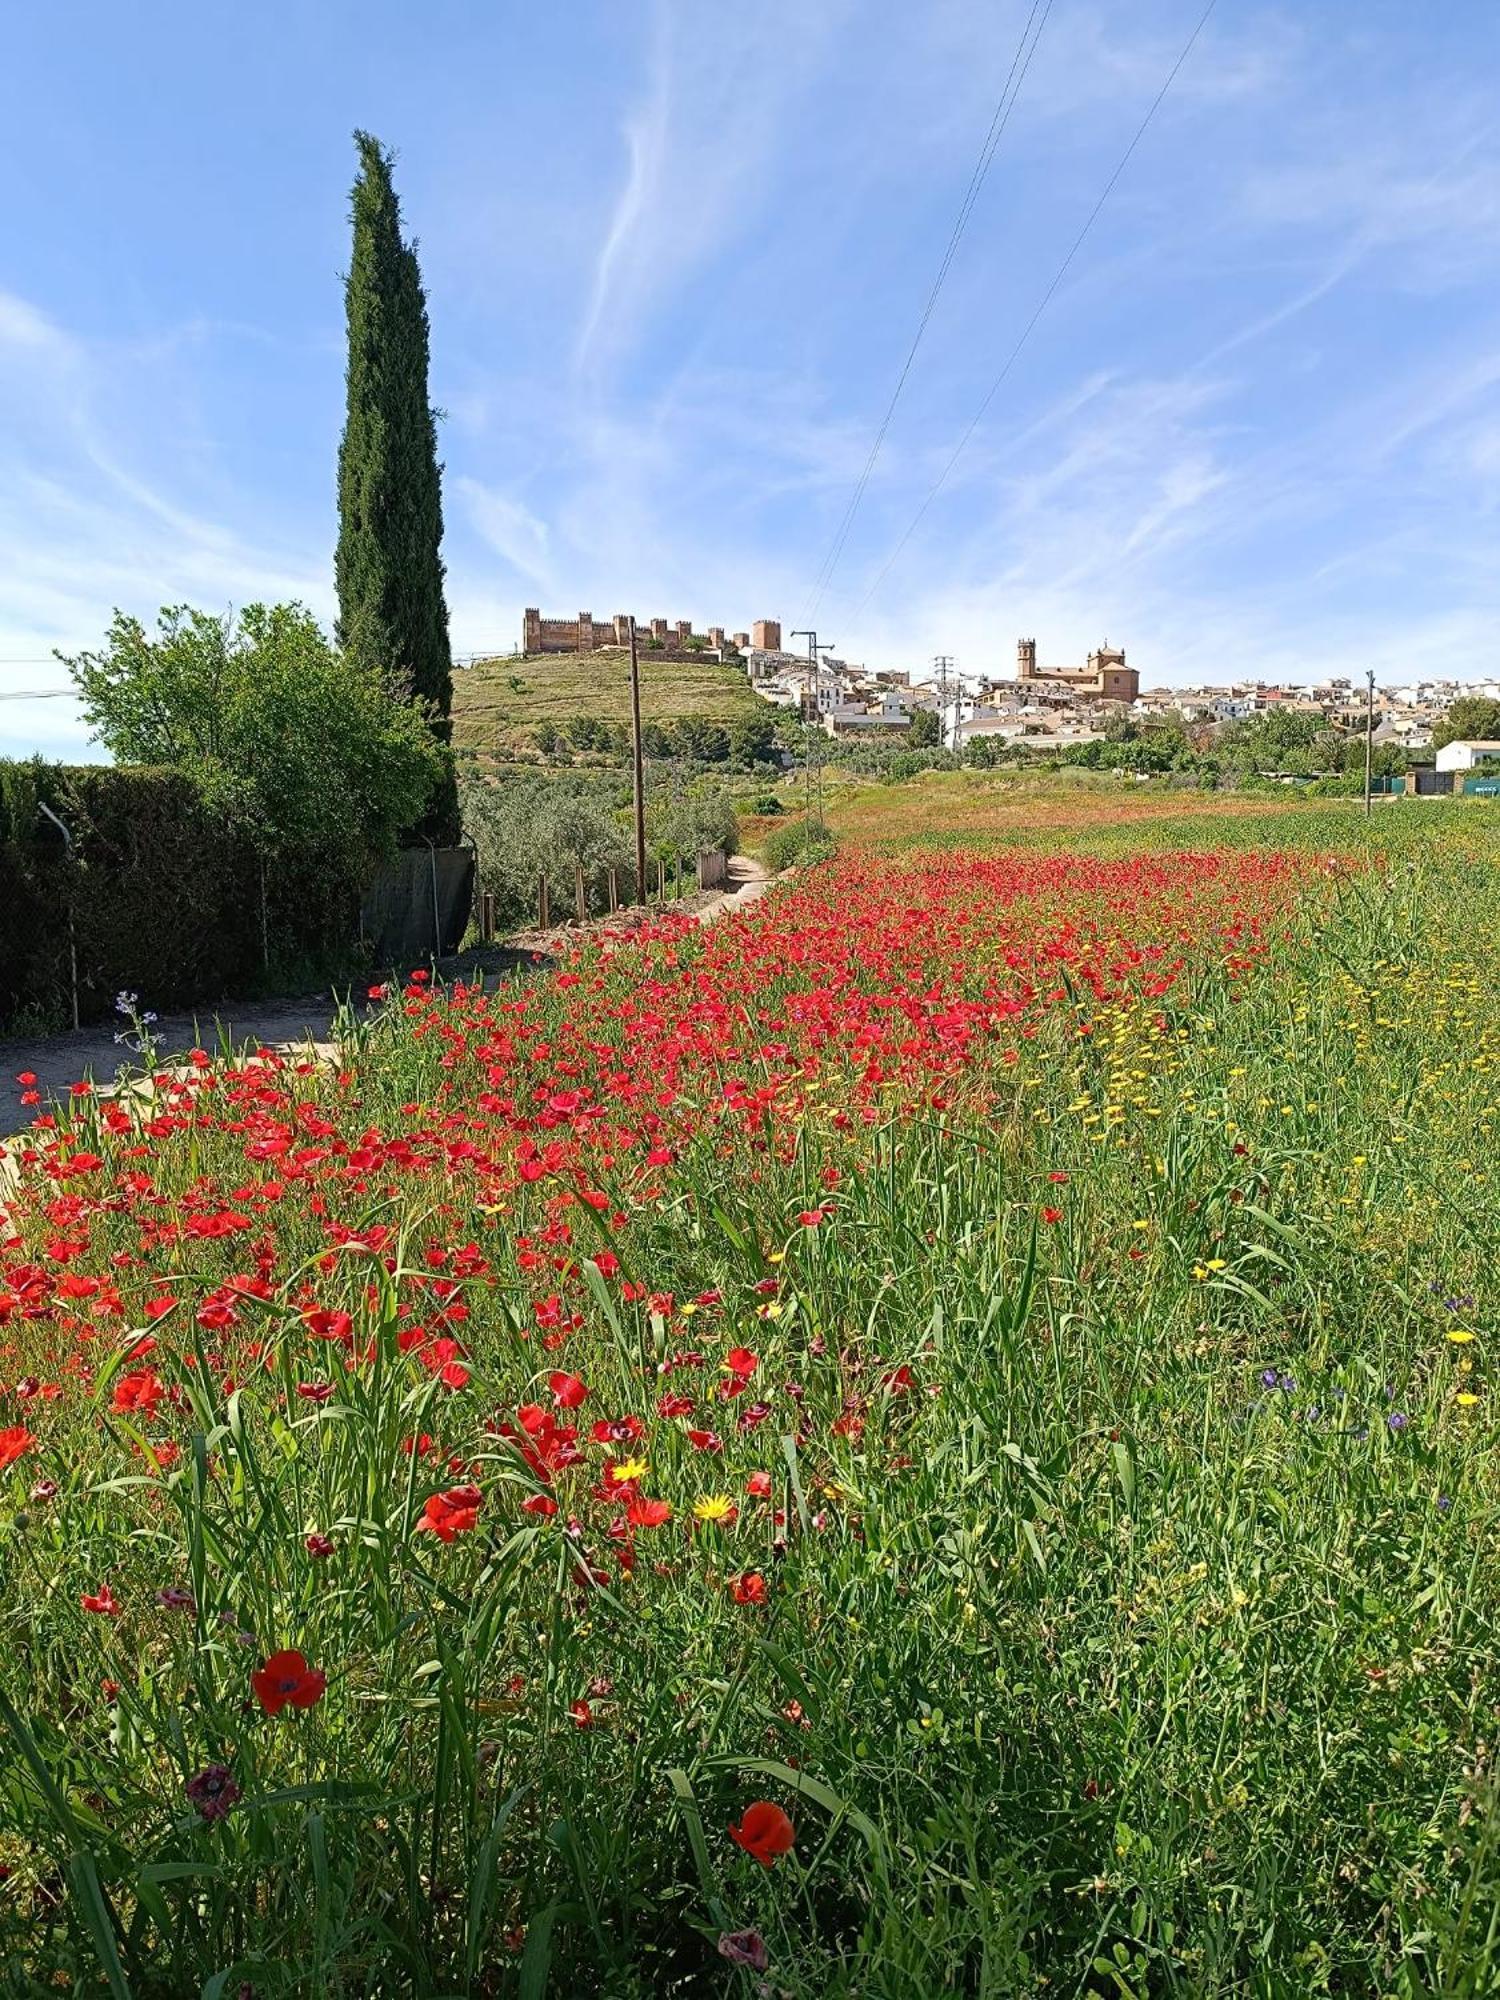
[163,896]
[798,844]
[284,737]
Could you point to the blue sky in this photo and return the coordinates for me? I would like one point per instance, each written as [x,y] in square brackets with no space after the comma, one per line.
[675,254]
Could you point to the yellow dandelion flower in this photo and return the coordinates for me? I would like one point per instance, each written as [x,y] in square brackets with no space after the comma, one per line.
[713,1507]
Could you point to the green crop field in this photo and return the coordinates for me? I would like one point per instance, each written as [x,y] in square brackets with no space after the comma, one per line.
[497,703]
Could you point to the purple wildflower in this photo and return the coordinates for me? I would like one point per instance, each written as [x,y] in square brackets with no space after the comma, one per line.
[214,1791]
[745,1948]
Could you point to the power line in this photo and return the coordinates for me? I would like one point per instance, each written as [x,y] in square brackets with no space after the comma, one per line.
[38,694]
[1046,300]
[1020,62]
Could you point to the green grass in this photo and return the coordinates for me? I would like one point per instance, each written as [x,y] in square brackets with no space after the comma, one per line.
[1093,1664]
[496,703]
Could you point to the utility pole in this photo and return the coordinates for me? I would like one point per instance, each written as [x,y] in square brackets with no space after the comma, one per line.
[811,706]
[943,661]
[1369,731]
[637,773]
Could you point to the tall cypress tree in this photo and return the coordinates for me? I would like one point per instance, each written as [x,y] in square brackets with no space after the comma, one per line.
[388,568]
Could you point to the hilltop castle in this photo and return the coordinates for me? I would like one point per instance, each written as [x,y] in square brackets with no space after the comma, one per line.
[587,634]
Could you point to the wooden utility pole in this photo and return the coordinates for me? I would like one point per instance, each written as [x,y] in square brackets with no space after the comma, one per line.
[813,718]
[1369,732]
[637,770]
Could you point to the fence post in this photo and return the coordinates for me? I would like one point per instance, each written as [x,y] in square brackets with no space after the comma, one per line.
[487,916]
[580,894]
[614,890]
[677,878]
[661,880]
[544,905]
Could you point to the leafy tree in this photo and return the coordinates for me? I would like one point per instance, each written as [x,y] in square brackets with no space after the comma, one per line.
[655,741]
[298,744]
[387,566]
[691,736]
[926,731]
[1472,718]
[753,740]
[1277,740]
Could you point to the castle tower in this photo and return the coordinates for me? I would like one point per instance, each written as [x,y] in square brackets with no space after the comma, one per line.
[1026,659]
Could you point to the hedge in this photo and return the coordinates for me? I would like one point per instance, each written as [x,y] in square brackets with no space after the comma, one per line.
[159,896]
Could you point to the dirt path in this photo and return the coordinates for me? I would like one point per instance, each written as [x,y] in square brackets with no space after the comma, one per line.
[57,1061]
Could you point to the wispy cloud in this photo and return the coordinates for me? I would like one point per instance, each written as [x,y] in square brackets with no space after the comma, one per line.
[511,529]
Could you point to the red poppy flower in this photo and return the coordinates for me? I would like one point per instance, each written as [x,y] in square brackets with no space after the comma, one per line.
[286,1680]
[13,1443]
[749,1588]
[764,1831]
[758,1486]
[103,1601]
[452,1513]
[138,1393]
[567,1391]
[1052,1215]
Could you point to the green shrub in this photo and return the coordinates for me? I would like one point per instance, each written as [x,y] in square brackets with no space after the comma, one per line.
[158,894]
[798,844]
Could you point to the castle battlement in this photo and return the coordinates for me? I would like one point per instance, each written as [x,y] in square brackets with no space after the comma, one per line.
[588,634]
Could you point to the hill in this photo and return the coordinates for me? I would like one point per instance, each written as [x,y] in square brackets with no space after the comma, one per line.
[498,703]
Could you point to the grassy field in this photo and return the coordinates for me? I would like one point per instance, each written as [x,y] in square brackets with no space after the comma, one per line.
[935,1438]
[497,703]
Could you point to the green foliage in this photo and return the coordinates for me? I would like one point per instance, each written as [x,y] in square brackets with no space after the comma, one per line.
[703,742]
[699,821]
[294,745]
[926,731]
[159,894]
[392,616]
[798,844]
[527,826]
[1472,718]
[753,740]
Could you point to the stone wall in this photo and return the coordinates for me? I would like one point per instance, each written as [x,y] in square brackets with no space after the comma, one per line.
[586,633]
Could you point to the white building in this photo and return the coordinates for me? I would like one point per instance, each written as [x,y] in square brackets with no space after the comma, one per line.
[1468,756]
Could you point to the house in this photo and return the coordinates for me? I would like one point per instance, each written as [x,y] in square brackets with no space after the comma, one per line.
[851,720]
[1468,756]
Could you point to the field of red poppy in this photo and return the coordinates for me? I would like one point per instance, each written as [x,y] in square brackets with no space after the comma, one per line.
[934,1437]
